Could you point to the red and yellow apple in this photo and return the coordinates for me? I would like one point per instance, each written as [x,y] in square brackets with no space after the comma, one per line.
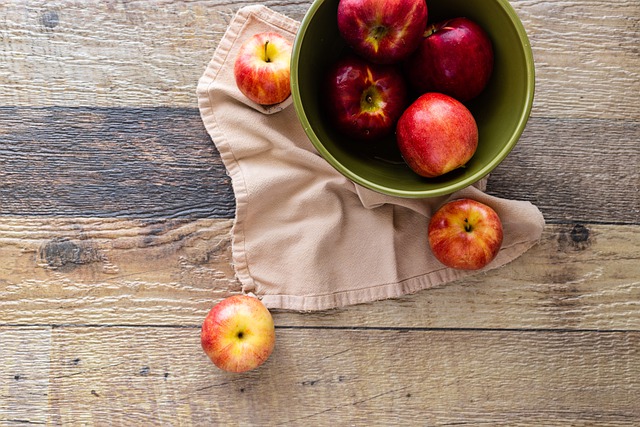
[364,100]
[262,68]
[238,334]
[436,134]
[465,234]
[454,57]
[382,31]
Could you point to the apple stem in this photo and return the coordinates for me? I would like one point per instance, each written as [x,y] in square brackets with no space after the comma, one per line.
[379,32]
[430,30]
[433,28]
[266,56]
[467,226]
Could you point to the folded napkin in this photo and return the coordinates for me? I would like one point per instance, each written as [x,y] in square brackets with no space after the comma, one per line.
[304,236]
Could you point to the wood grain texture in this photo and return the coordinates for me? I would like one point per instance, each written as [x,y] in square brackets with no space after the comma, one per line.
[587,56]
[24,377]
[577,278]
[96,162]
[115,218]
[136,272]
[151,376]
[113,271]
[580,170]
[160,163]
[111,53]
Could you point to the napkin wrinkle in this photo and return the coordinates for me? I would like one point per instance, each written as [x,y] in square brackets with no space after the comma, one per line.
[305,237]
[371,199]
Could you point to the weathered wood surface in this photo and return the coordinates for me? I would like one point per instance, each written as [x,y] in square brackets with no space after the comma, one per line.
[115,213]
[97,162]
[150,53]
[159,163]
[159,376]
[138,272]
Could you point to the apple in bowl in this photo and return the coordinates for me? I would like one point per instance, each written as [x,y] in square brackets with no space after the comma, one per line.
[238,334]
[382,31]
[465,234]
[454,57]
[262,68]
[364,100]
[436,134]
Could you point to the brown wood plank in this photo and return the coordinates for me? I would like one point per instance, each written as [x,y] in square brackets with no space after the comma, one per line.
[575,170]
[112,271]
[170,272]
[24,376]
[115,376]
[577,277]
[152,53]
[160,163]
[107,162]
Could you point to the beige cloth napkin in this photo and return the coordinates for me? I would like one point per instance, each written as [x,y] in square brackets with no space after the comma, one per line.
[305,237]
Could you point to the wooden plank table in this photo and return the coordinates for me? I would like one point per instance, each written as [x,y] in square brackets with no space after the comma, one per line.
[115,214]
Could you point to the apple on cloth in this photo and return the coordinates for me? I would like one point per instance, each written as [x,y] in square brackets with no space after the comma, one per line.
[262,68]
[465,234]
[305,237]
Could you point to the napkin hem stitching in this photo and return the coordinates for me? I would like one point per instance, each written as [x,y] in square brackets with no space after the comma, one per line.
[411,285]
[211,74]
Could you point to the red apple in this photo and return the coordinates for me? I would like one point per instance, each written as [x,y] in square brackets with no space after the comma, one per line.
[238,334]
[262,68]
[364,100]
[382,31]
[436,134]
[465,234]
[455,57]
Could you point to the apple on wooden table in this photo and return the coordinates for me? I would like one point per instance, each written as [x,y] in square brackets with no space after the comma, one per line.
[364,100]
[262,68]
[382,31]
[454,57]
[238,333]
[436,134]
[465,234]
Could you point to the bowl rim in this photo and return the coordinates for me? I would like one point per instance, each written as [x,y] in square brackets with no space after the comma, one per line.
[442,190]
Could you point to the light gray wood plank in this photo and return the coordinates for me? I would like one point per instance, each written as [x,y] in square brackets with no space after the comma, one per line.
[152,53]
[115,376]
[24,375]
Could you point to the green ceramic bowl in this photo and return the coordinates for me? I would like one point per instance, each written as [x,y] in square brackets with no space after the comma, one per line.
[501,111]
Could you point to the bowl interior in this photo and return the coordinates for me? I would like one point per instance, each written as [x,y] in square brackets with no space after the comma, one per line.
[501,111]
